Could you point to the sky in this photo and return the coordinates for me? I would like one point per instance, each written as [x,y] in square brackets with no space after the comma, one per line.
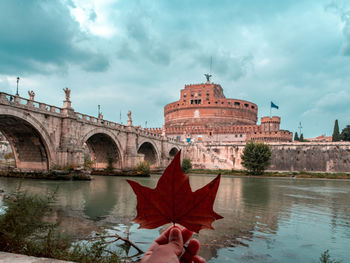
[137,54]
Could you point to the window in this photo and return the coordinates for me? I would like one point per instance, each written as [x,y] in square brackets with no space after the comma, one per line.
[237,103]
[196,101]
[229,103]
[185,95]
[253,107]
[191,94]
[199,94]
[246,105]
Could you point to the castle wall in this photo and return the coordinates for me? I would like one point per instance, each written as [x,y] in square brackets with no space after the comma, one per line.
[323,157]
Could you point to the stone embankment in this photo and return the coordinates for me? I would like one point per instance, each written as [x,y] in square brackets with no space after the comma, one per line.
[16,258]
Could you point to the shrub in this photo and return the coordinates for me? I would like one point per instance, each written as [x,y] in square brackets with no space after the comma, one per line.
[8,156]
[87,162]
[326,258]
[23,230]
[24,219]
[256,157]
[110,162]
[186,165]
[143,168]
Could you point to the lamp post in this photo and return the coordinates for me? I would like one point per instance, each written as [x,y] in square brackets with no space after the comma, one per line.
[17,94]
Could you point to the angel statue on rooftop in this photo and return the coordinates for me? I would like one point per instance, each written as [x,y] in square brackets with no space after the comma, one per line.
[208,76]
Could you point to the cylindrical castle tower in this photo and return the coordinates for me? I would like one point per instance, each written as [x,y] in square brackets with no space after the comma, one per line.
[203,107]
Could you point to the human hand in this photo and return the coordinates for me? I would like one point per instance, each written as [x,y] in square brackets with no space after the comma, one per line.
[168,247]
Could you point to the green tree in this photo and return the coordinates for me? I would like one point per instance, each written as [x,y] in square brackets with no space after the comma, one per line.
[345,133]
[301,138]
[336,134]
[186,165]
[296,137]
[256,157]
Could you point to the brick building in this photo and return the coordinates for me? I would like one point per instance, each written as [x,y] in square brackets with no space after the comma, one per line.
[203,113]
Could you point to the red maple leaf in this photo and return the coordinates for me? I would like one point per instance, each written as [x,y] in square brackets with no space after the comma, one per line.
[172,201]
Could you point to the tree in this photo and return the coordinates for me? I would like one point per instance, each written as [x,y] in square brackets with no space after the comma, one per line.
[301,138]
[186,165]
[296,137]
[336,134]
[345,133]
[256,157]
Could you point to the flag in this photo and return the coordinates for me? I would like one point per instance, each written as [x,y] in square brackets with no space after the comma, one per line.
[273,105]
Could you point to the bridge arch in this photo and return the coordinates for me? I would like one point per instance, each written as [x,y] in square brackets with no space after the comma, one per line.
[150,152]
[31,144]
[104,148]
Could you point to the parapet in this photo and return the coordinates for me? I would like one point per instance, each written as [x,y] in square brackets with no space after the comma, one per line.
[268,119]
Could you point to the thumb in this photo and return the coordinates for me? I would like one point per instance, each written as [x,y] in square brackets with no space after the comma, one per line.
[176,241]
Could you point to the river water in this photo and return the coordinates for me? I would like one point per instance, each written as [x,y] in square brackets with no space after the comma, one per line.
[266,220]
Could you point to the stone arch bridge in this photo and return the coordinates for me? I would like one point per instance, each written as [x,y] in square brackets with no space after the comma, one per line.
[43,137]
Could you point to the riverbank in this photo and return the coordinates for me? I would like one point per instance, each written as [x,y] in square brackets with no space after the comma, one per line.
[51,175]
[120,173]
[301,174]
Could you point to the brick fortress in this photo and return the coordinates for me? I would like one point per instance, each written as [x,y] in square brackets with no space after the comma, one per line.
[203,113]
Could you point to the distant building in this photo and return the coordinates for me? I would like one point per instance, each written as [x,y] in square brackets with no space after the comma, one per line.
[203,113]
[321,138]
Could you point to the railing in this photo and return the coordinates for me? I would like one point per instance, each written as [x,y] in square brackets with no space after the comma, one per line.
[23,102]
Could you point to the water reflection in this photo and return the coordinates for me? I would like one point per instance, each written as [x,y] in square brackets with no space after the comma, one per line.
[265,220]
[100,192]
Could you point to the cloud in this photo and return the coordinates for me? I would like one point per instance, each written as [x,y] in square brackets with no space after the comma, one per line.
[293,52]
[41,36]
[343,12]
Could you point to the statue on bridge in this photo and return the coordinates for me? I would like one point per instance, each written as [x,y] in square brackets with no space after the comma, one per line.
[129,118]
[67,92]
[31,95]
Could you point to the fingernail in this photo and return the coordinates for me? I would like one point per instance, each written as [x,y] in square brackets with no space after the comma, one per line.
[174,234]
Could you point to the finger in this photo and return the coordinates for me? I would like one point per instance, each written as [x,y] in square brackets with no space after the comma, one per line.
[176,241]
[198,259]
[164,237]
[190,251]
[186,235]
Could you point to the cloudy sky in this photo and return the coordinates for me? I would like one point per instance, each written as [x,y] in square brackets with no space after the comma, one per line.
[137,55]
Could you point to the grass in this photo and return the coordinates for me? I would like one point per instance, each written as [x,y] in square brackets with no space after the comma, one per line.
[301,174]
